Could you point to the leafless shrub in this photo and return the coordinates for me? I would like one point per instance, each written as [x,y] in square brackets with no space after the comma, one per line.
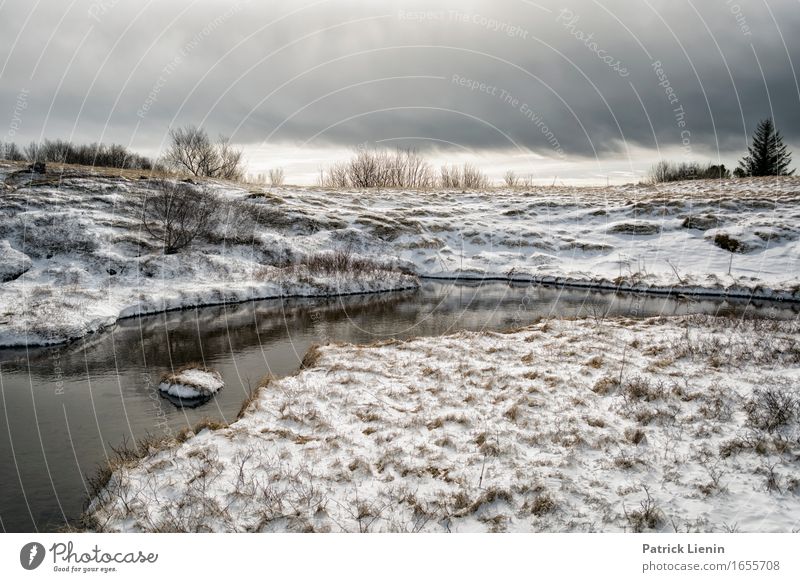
[192,151]
[752,441]
[756,341]
[10,151]
[714,404]
[715,474]
[473,178]
[772,478]
[336,176]
[276,176]
[648,516]
[466,177]
[177,214]
[401,168]
[771,408]
[423,511]
[65,152]
[665,171]
[641,388]
[511,179]
[449,177]
[343,261]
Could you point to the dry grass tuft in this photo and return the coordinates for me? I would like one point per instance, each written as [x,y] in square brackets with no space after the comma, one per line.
[605,385]
[312,357]
[542,504]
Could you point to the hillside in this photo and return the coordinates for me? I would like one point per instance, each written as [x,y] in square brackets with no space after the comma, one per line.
[75,257]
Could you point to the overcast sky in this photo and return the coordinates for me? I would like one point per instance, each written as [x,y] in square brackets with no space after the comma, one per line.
[580,89]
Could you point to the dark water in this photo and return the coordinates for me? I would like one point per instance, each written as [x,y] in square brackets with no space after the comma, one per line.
[64,408]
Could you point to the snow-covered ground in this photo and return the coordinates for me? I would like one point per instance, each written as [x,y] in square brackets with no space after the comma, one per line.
[678,424]
[78,258]
[75,258]
[642,237]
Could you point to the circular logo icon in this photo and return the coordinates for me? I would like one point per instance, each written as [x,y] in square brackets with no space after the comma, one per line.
[31,555]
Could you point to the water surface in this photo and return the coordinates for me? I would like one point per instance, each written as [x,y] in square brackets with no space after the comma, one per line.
[64,408]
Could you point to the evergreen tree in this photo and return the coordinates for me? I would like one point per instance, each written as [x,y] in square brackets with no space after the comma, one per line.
[768,155]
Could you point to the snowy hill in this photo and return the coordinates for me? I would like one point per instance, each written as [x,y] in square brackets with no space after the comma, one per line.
[76,258]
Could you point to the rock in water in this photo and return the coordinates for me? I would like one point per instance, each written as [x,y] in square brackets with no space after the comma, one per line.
[192,382]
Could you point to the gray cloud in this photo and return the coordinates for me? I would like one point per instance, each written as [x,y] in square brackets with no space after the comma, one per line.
[346,72]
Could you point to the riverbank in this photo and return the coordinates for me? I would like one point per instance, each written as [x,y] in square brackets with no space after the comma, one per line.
[76,257]
[116,399]
[662,424]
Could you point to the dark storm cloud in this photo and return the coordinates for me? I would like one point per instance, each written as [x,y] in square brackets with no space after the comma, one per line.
[577,76]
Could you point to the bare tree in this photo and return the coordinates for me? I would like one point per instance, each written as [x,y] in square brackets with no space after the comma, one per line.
[665,171]
[401,168]
[473,179]
[276,177]
[192,151]
[32,152]
[449,177]
[229,162]
[10,151]
[511,179]
[189,150]
[335,176]
[177,214]
[410,170]
[467,177]
[364,170]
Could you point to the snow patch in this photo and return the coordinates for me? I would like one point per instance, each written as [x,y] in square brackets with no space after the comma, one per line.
[192,383]
[13,263]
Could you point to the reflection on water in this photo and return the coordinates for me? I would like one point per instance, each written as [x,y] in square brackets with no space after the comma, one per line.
[64,408]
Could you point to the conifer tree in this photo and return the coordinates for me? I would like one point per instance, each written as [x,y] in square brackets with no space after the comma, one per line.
[767,156]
